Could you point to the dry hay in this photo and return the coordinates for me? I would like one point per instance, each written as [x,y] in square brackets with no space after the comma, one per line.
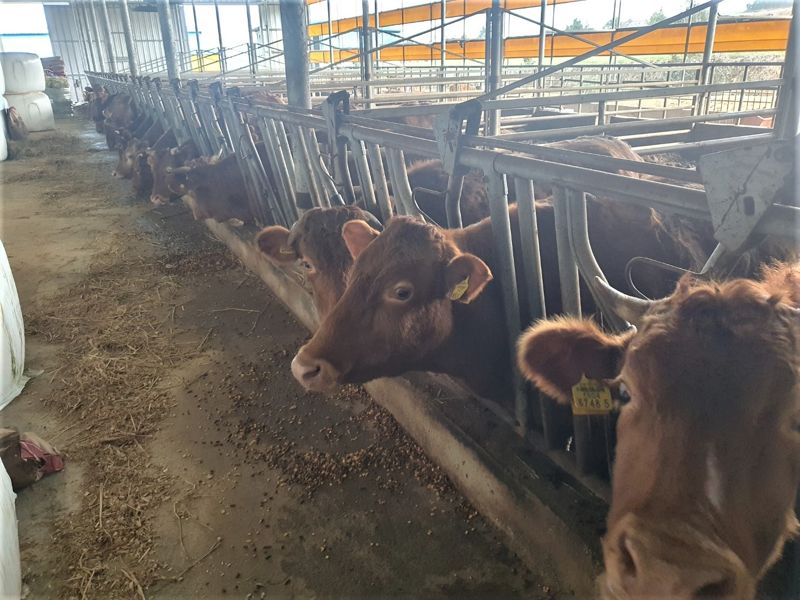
[116,351]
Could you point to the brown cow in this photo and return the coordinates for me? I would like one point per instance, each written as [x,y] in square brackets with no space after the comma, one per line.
[370,333]
[215,188]
[120,114]
[708,453]
[135,145]
[161,162]
[315,242]
[430,175]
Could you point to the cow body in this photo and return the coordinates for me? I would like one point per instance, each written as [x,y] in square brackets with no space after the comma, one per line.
[708,452]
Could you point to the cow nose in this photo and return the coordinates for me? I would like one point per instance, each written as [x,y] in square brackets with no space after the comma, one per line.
[158,199]
[653,566]
[314,374]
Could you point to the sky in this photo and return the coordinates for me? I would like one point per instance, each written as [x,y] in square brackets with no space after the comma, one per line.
[594,14]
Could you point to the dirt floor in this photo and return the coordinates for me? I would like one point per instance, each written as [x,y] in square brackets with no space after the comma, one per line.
[196,466]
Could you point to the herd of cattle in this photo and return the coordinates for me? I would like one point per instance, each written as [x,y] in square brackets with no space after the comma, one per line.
[707,461]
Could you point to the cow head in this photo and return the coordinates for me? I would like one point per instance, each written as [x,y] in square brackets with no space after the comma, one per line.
[127,159]
[397,308]
[163,162]
[708,453]
[315,243]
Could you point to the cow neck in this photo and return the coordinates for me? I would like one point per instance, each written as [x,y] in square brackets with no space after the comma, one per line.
[477,350]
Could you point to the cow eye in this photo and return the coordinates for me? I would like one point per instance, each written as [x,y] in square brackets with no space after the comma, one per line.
[402,292]
[306,265]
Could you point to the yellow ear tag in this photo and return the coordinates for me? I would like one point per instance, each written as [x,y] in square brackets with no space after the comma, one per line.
[460,289]
[591,397]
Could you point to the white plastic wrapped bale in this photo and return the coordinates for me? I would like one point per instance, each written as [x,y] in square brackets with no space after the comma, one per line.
[10,567]
[23,72]
[35,109]
[3,133]
[12,343]
[2,80]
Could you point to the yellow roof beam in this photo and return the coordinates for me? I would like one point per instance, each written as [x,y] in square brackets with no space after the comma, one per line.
[740,36]
[423,13]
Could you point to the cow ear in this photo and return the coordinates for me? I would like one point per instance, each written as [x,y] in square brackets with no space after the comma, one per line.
[273,241]
[465,277]
[555,354]
[357,235]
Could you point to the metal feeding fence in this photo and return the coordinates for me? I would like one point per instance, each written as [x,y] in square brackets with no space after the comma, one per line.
[306,165]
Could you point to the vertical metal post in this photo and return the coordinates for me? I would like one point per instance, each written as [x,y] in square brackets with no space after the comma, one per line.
[83,31]
[504,252]
[708,49]
[126,29]
[366,56]
[295,52]
[487,50]
[496,65]
[251,48]
[109,41]
[376,64]
[330,34]
[220,46]
[96,34]
[443,37]
[786,119]
[167,39]
[197,38]
[542,38]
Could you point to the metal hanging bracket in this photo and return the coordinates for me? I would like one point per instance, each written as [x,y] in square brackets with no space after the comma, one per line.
[449,128]
[742,184]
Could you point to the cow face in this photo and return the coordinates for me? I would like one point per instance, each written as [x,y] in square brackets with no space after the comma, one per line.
[315,244]
[708,454]
[127,159]
[216,190]
[163,163]
[397,308]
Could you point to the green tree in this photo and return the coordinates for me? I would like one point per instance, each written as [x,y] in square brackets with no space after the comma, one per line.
[576,25]
[656,17]
[767,4]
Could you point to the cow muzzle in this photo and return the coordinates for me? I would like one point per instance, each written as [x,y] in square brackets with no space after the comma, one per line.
[670,560]
[314,374]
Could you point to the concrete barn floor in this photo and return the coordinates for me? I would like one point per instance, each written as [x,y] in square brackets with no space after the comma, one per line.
[196,466]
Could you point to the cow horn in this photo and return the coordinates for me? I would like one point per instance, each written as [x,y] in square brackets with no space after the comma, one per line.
[373,221]
[627,307]
[217,157]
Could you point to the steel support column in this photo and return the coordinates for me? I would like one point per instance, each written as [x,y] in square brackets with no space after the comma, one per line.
[330,34]
[295,52]
[708,49]
[221,46]
[496,64]
[542,38]
[366,45]
[96,33]
[108,40]
[167,38]
[83,31]
[786,120]
[251,48]
[126,29]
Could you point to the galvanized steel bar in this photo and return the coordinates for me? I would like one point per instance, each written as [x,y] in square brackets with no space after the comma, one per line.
[381,188]
[567,263]
[496,65]
[542,38]
[167,38]
[126,30]
[708,49]
[506,273]
[295,48]
[530,253]
[107,39]
[364,176]
[96,33]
